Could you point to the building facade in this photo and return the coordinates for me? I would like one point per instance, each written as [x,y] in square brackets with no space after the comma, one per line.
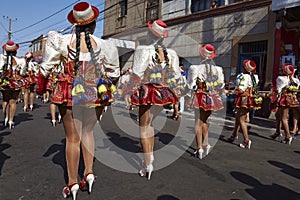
[238,29]
[37,48]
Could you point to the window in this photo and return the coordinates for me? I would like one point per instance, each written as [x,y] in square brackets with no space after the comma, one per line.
[198,5]
[256,51]
[152,10]
[122,10]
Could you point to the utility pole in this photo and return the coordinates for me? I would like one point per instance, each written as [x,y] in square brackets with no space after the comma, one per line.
[9,26]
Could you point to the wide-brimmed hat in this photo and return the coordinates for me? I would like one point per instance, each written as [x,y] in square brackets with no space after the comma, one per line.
[10,46]
[288,69]
[83,13]
[158,28]
[250,66]
[207,51]
[28,55]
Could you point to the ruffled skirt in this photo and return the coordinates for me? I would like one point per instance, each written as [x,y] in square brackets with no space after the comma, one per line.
[288,100]
[73,92]
[206,102]
[247,102]
[152,94]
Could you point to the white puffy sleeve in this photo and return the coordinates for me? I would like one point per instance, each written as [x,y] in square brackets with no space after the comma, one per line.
[281,82]
[2,62]
[110,58]
[31,66]
[21,62]
[220,76]
[52,52]
[192,76]
[174,62]
[242,81]
[141,60]
[256,79]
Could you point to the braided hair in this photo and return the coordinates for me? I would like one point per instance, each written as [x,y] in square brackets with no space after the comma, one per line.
[165,53]
[9,60]
[87,29]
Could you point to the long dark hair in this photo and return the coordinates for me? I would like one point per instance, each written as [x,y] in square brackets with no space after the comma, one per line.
[9,59]
[87,29]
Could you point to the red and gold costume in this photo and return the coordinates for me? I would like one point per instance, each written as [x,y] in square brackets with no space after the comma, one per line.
[31,73]
[246,91]
[12,69]
[90,84]
[287,87]
[153,82]
[207,81]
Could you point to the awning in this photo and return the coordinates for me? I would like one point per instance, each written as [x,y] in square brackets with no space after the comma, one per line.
[127,44]
[279,4]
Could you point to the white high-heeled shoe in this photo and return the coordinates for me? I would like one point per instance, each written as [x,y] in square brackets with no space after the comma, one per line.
[53,122]
[199,153]
[88,180]
[207,149]
[11,124]
[149,170]
[246,144]
[31,107]
[5,121]
[70,189]
[59,119]
[287,140]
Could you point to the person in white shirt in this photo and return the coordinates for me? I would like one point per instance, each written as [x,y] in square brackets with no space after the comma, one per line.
[154,77]
[207,82]
[12,68]
[287,86]
[247,99]
[87,85]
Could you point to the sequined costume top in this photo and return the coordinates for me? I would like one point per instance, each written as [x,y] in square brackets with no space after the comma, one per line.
[57,50]
[90,82]
[154,82]
[12,69]
[287,88]
[247,91]
[207,82]
[150,70]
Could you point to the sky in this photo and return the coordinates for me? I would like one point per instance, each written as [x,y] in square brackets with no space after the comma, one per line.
[33,18]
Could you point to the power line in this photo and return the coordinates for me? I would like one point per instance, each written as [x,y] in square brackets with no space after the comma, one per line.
[62,21]
[46,17]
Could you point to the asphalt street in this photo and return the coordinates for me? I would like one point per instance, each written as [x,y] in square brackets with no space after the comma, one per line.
[32,161]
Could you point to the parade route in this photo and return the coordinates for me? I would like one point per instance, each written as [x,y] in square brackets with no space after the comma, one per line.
[32,162]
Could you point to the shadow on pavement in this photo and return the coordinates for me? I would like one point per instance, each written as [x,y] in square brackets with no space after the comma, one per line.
[167,197]
[124,146]
[287,169]
[260,191]
[4,146]
[59,158]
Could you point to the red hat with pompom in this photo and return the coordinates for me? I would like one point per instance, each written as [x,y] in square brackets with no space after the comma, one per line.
[158,28]
[250,66]
[10,46]
[83,13]
[208,51]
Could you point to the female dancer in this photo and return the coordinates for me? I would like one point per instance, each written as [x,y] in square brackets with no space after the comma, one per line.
[11,81]
[287,86]
[91,66]
[125,89]
[247,99]
[207,81]
[157,69]
[31,80]
[49,88]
